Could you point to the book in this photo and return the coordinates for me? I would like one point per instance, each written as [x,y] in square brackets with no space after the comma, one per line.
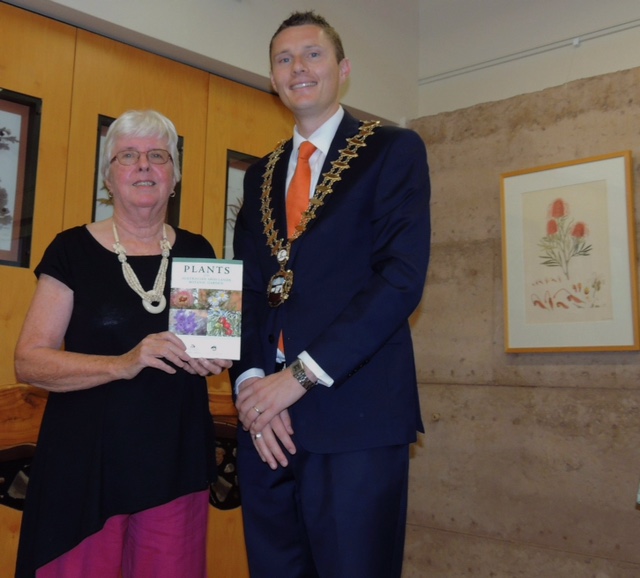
[205,309]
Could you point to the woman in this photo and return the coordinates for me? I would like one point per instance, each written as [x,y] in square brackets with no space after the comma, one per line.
[125,456]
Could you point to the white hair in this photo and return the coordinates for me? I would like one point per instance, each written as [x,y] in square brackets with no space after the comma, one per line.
[141,123]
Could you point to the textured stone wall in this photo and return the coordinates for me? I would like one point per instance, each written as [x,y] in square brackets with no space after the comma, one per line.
[531,462]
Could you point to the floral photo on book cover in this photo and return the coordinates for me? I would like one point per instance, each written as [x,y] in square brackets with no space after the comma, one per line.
[206,306]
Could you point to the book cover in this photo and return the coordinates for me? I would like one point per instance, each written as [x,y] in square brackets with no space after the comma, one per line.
[206,306]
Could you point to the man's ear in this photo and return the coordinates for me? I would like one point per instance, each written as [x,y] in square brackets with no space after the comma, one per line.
[345,69]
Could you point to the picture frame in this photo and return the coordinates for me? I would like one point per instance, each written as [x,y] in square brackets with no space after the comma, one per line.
[20,116]
[102,204]
[569,258]
[237,165]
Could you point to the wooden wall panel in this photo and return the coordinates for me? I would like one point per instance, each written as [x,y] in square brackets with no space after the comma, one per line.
[110,78]
[48,47]
[244,120]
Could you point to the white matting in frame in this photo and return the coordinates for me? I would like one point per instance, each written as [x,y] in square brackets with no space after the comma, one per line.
[568,250]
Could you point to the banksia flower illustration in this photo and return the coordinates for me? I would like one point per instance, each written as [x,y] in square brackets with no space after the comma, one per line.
[579,230]
[565,238]
[559,209]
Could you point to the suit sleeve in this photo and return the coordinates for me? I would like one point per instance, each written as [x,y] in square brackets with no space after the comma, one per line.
[248,243]
[400,223]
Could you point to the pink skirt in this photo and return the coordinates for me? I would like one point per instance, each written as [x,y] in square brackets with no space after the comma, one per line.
[167,541]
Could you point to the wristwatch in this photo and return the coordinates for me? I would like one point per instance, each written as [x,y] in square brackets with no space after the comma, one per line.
[297,368]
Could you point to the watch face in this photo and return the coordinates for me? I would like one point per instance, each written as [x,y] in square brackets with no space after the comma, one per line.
[298,372]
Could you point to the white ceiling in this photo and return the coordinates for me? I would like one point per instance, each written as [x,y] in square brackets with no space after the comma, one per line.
[458,34]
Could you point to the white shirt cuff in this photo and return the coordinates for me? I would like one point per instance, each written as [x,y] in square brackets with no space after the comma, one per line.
[253,372]
[323,377]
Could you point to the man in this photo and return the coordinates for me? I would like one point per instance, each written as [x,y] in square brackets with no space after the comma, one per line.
[326,387]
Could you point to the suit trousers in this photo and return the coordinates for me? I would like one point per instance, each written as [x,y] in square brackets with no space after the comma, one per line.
[339,515]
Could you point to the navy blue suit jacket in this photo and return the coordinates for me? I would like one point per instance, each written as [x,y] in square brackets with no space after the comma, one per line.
[359,272]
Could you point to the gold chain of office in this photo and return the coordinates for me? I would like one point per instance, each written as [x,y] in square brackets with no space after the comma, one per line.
[280,284]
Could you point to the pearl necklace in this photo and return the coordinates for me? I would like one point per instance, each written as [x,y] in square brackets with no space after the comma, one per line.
[155,295]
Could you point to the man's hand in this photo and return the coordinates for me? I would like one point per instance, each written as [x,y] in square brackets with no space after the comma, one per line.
[262,405]
[270,441]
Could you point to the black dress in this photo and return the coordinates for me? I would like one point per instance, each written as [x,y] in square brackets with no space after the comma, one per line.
[124,446]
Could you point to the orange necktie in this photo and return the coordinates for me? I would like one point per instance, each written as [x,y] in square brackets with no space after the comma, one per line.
[298,196]
[299,188]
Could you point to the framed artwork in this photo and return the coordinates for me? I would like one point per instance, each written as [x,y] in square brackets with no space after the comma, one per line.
[102,204]
[568,253]
[19,135]
[237,165]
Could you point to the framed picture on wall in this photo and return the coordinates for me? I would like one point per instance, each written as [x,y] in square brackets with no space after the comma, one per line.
[19,136]
[569,260]
[102,203]
[237,165]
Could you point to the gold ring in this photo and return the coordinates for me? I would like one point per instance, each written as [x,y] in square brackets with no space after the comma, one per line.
[259,412]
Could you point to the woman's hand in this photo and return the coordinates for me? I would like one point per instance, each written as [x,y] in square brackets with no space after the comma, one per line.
[154,351]
[206,367]
[157,349]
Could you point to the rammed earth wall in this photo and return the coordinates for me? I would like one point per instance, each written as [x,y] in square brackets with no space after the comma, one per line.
[531,462]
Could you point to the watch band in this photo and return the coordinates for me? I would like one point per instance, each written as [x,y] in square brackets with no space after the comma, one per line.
[297,368]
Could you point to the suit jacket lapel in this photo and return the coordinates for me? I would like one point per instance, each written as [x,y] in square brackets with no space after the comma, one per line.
[278,189]
[348,127]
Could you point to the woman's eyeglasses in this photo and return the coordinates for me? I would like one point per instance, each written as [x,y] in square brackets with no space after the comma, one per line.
[131,157]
